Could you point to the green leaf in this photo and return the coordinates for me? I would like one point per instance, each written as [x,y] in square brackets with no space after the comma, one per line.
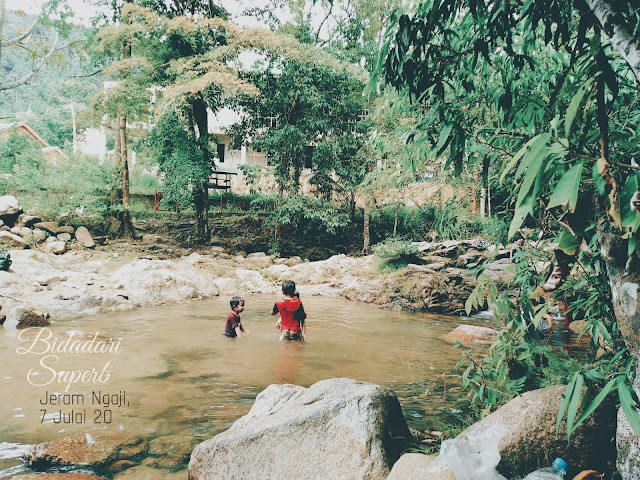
[574,403]
[566,396]
[537,147]
[595,403]
[572,110]
[568,242]
[566,190]
[628,405]
[525,208]
[512,163]
[628,216]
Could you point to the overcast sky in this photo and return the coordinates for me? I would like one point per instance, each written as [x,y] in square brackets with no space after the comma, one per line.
[85,10]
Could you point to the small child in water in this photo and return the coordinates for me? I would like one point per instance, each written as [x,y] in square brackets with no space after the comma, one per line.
[292,314]
[233,327]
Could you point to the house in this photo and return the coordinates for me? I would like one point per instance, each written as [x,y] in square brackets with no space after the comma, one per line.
[50,153]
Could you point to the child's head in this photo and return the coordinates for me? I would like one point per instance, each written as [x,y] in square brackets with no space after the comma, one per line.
[288,288]
[237,304]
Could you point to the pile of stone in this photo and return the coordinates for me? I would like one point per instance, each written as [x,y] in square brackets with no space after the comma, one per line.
[19,231]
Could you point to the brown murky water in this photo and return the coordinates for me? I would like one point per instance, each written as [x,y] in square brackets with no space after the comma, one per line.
[175,378]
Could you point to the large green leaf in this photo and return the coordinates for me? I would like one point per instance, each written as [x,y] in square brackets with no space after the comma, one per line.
[572,110]
[540,145]
[568,242]
[516,158]
[566,191]
[566,397]
[628,405]
[628,216]
[595,403]
[574,403]
[524,208]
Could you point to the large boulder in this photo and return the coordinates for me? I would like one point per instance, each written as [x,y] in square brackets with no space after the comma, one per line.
[84,237]
[12,239]
[337,428]
[530,441]
[414,466]
[99,448]
[469,335]
[9,207]
[50,227]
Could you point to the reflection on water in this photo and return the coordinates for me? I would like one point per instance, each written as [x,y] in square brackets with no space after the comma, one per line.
[185,382]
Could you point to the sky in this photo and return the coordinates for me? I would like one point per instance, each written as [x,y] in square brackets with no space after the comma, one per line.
[85,10]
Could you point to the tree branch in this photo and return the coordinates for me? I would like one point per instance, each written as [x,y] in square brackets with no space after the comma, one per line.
[19,38]
[36,69]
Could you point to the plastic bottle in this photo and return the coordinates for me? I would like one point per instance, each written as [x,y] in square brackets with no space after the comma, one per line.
[556,471]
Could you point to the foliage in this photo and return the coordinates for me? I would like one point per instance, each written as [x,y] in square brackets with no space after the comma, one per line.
[184,160]
[394,253]
[536,88]
[315,115]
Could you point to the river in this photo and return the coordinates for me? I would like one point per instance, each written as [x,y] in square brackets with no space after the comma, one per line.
[170,374]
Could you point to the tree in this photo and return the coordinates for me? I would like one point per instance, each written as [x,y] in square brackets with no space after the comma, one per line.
[554,89]
[186,61]
[40,41]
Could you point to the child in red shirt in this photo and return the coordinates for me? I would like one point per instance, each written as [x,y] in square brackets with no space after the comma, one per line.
[233,327]
[292,313]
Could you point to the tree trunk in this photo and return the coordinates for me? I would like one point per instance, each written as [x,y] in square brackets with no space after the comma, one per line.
[624,279]
[366,247]
[116,191]
[352,206]
[126,227]
[621,35]
[201,189]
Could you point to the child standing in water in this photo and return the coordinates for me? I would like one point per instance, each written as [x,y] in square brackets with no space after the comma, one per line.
[233,327]
[292,314]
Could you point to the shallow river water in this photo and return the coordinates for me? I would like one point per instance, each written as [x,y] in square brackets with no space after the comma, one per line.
[172,375]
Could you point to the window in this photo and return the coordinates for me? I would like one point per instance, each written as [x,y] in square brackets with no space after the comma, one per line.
[221,152]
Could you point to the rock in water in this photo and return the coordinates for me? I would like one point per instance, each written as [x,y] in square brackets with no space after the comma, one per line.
[337,428]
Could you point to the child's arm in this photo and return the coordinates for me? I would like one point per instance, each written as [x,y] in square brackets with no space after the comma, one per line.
[279,323]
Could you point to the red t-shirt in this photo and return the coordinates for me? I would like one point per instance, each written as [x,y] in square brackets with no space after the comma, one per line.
[287,308]
[233,321]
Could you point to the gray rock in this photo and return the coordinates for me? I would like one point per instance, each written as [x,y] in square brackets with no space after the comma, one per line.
[469,335]
[414,466]
[26,232]
[56,476]
[4,228]
[39,235]
[148,238]
[28,220]
[15,230]
[628,445]
[435,267]
[57,247]
[337,428]
[51,240]
[66,229]
[21,317]
[12,239]
[96,447]
[530,441]
[289,262]
[64,237]
[9,206]
[50,227]
[84,237]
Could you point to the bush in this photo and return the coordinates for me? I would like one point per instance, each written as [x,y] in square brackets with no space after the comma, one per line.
[394,253]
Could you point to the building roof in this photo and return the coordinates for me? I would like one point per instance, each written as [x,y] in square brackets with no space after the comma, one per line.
[46,147]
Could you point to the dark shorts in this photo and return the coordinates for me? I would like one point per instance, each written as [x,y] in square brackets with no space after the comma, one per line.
[290,335]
